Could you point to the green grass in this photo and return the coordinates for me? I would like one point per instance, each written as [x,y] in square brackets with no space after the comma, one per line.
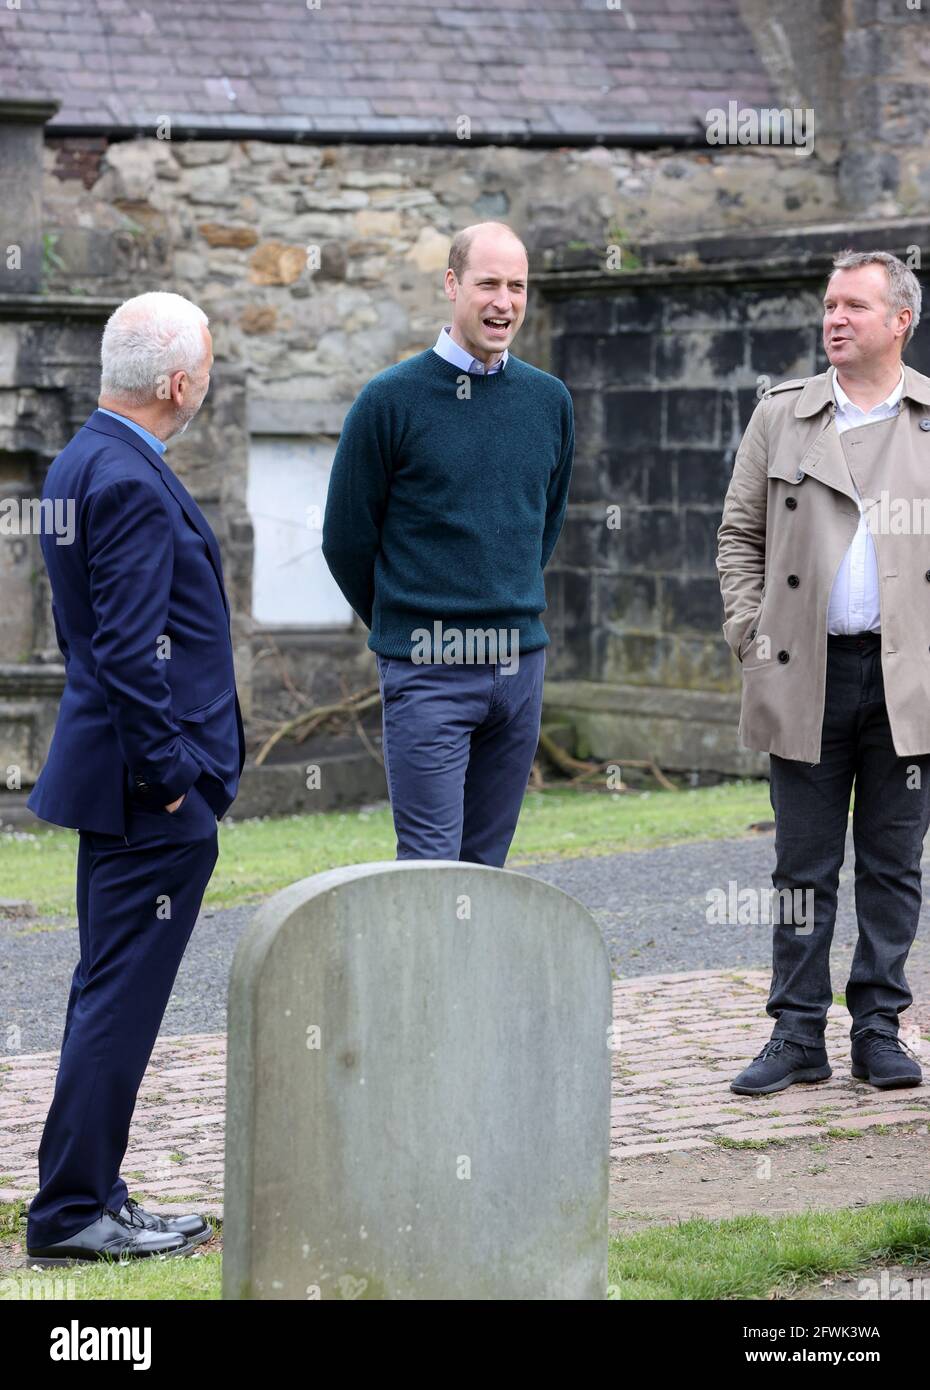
[197,1277]
[756,1256]
[746,1257]
[257,857]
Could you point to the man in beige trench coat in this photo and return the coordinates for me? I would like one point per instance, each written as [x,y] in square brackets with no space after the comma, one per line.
[824,565]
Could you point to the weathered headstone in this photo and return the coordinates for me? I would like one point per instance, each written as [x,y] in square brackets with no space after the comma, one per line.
[418,1090]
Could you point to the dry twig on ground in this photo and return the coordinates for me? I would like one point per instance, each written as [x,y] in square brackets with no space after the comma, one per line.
[309,720]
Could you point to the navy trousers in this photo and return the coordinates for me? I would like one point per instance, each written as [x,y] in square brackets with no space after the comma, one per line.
[137,901]
[890,819]
[459,743]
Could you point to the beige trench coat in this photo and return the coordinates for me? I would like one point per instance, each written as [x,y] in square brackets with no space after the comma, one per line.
[789,516]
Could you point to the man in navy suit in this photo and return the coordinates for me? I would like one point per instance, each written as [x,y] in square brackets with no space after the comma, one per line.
[145,758]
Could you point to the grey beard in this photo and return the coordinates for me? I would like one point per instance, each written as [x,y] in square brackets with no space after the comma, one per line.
[179,432]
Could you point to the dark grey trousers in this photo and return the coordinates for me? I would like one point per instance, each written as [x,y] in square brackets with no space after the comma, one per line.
[890,819]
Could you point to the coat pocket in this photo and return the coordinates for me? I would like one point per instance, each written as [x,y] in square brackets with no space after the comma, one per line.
[202,712]
[751,634]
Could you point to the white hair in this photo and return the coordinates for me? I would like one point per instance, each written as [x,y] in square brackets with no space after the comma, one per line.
[147,339]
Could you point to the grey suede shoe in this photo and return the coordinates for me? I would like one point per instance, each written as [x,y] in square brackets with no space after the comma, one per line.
[780,1064]
[883,1060]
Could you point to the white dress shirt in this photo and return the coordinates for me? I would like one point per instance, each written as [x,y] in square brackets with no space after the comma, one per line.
[448,348]
[854,603]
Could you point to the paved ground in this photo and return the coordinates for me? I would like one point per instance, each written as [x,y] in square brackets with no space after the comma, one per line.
[651,906]
[682,1143]
[681,1037]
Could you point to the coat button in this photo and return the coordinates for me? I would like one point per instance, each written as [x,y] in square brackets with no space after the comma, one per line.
[798,476]
[793,580]
[927,576]
[925,424]
[791,503]
[783,657]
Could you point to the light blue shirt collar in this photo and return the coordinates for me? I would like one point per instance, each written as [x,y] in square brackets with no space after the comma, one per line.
[152,440]
[448,348]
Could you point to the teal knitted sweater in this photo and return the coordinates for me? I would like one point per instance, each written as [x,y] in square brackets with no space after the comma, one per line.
[446,499]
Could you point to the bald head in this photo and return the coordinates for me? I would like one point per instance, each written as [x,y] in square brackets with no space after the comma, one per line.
[486,283]
[482,231]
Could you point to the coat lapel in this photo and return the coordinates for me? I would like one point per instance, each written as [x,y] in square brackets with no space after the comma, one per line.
[873,453]
[194,515]
[826,461]
[823,458]
[105,424]
[859,457]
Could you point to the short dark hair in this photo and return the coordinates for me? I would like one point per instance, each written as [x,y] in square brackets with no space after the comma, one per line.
[461,245]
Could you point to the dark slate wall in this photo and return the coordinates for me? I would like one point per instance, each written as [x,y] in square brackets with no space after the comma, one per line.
[664,379]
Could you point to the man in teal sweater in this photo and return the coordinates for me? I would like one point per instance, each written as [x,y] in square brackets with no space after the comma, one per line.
[447,496]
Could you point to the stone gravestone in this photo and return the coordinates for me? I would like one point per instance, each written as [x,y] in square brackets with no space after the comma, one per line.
[418,1090]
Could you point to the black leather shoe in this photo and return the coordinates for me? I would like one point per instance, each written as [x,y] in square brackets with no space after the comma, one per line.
[194,1228]
[883,1060]
[110,1237]
[780,1063]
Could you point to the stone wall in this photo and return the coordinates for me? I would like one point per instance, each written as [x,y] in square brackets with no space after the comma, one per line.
[665,366]
[48,386]
[228,224]
[231,223]
[862,67]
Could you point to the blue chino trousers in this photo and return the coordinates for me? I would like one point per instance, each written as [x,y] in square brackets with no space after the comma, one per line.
[459,743]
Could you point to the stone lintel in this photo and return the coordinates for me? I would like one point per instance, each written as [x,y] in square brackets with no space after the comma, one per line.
[56,307]
[296,417]
[652,701]
[785,253]
[27,111]
[30,679]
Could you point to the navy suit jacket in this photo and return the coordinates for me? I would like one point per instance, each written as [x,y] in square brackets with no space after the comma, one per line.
[142,619]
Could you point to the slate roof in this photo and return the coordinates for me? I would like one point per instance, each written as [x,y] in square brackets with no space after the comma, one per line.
[381,68]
